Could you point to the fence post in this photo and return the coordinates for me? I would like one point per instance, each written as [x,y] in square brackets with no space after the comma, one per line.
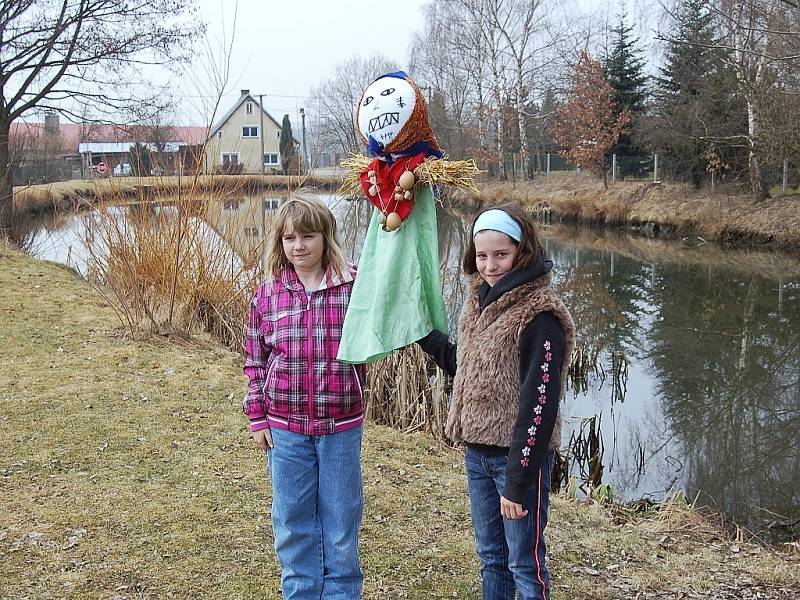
[655,168]
[785,174]
[614,168]
[547,175]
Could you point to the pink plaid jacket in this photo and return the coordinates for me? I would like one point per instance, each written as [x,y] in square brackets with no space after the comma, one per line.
[295,381]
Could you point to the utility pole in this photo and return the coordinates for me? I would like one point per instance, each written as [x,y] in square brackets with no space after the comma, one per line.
[261,128]
[303,127]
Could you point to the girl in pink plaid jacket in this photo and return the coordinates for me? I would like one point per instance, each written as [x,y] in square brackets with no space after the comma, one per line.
[305,407]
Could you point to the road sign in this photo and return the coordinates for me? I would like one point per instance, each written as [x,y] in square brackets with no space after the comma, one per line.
[101,168]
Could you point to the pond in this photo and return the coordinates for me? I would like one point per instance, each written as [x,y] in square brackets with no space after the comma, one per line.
[697,379]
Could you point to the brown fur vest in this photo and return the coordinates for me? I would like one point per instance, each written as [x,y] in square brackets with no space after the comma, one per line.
[485,399]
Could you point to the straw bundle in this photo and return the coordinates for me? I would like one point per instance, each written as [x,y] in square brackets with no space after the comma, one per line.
[455,173]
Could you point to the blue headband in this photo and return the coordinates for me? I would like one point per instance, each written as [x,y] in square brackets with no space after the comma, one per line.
[497,220]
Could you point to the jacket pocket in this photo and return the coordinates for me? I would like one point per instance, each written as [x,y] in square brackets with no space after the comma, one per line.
[271,392]
[274,316]
[359,386]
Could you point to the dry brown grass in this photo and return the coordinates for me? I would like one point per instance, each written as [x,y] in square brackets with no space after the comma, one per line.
[676,208]
[126,473]
[66,194]
[164,269]
[692,251]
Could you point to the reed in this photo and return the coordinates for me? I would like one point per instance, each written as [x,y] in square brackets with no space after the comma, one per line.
[164,269]
[408,392]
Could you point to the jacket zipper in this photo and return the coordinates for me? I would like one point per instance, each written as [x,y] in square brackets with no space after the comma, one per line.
[310,362]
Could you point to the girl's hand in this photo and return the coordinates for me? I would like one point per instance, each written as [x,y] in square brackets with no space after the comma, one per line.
[263,439]
[511,510]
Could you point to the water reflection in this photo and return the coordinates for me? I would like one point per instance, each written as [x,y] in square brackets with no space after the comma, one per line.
[710,339]
[713,399]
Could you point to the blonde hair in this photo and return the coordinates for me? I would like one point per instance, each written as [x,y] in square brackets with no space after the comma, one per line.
[304,215]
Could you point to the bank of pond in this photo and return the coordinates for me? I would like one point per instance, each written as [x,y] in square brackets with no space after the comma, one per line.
[691,351]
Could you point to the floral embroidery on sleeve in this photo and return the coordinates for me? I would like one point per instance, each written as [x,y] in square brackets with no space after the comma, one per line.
[537,420]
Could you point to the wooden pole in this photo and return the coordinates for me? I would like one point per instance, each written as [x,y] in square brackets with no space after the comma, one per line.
[785,174]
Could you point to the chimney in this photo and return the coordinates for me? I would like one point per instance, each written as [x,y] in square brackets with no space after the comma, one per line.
[245,92]
[51,123]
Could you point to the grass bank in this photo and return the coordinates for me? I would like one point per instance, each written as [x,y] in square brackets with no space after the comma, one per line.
[126,473]
[66,194]
[668,208]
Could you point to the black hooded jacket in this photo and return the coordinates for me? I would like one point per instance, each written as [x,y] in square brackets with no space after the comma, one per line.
[531,355]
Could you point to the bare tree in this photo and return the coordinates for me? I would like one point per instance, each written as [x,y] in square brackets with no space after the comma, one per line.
[335,101]
[494,61]
[526,28]
[65,54]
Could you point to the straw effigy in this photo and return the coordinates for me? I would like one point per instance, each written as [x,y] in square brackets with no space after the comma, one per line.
[433,172]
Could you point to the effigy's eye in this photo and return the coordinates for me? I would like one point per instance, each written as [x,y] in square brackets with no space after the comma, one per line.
[367,100]
[387,92]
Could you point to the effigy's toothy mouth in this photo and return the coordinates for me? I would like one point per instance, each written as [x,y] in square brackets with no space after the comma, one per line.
[383,120]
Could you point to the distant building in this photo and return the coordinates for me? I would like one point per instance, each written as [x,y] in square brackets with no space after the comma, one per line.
[235,141]
[53,151]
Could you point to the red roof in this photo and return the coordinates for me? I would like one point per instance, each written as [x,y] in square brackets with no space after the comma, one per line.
[73,134]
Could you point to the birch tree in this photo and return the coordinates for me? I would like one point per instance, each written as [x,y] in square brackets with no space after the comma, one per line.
[756,32]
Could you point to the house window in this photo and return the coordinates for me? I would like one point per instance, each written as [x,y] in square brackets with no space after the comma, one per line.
[249,131]
[278,134]
[230,158]
[249,108]
[271,158]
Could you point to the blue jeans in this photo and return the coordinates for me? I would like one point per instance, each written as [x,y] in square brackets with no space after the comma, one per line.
[511,553]
[317,503]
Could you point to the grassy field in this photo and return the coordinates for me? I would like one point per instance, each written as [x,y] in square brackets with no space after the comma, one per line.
[126,473]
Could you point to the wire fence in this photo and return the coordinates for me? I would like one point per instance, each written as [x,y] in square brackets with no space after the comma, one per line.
[780,177]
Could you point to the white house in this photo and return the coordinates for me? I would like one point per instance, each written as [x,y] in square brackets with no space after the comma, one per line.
[238,139]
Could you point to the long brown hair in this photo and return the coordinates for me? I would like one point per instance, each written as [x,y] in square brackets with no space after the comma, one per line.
[529,248]
[304,215]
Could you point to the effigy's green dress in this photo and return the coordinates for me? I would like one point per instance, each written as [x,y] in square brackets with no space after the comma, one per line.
[397,295]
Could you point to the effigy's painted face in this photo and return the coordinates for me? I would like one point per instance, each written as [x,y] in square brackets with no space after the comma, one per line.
[385,108]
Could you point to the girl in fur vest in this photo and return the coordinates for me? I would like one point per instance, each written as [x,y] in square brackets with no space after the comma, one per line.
[305,407]
[515,339]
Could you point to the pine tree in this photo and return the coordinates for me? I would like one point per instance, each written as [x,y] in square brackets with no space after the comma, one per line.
[697,105]
[586,126]
[287,146]
[624,68]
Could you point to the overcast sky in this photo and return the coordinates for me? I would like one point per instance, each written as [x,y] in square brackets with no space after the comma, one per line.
[283,48]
